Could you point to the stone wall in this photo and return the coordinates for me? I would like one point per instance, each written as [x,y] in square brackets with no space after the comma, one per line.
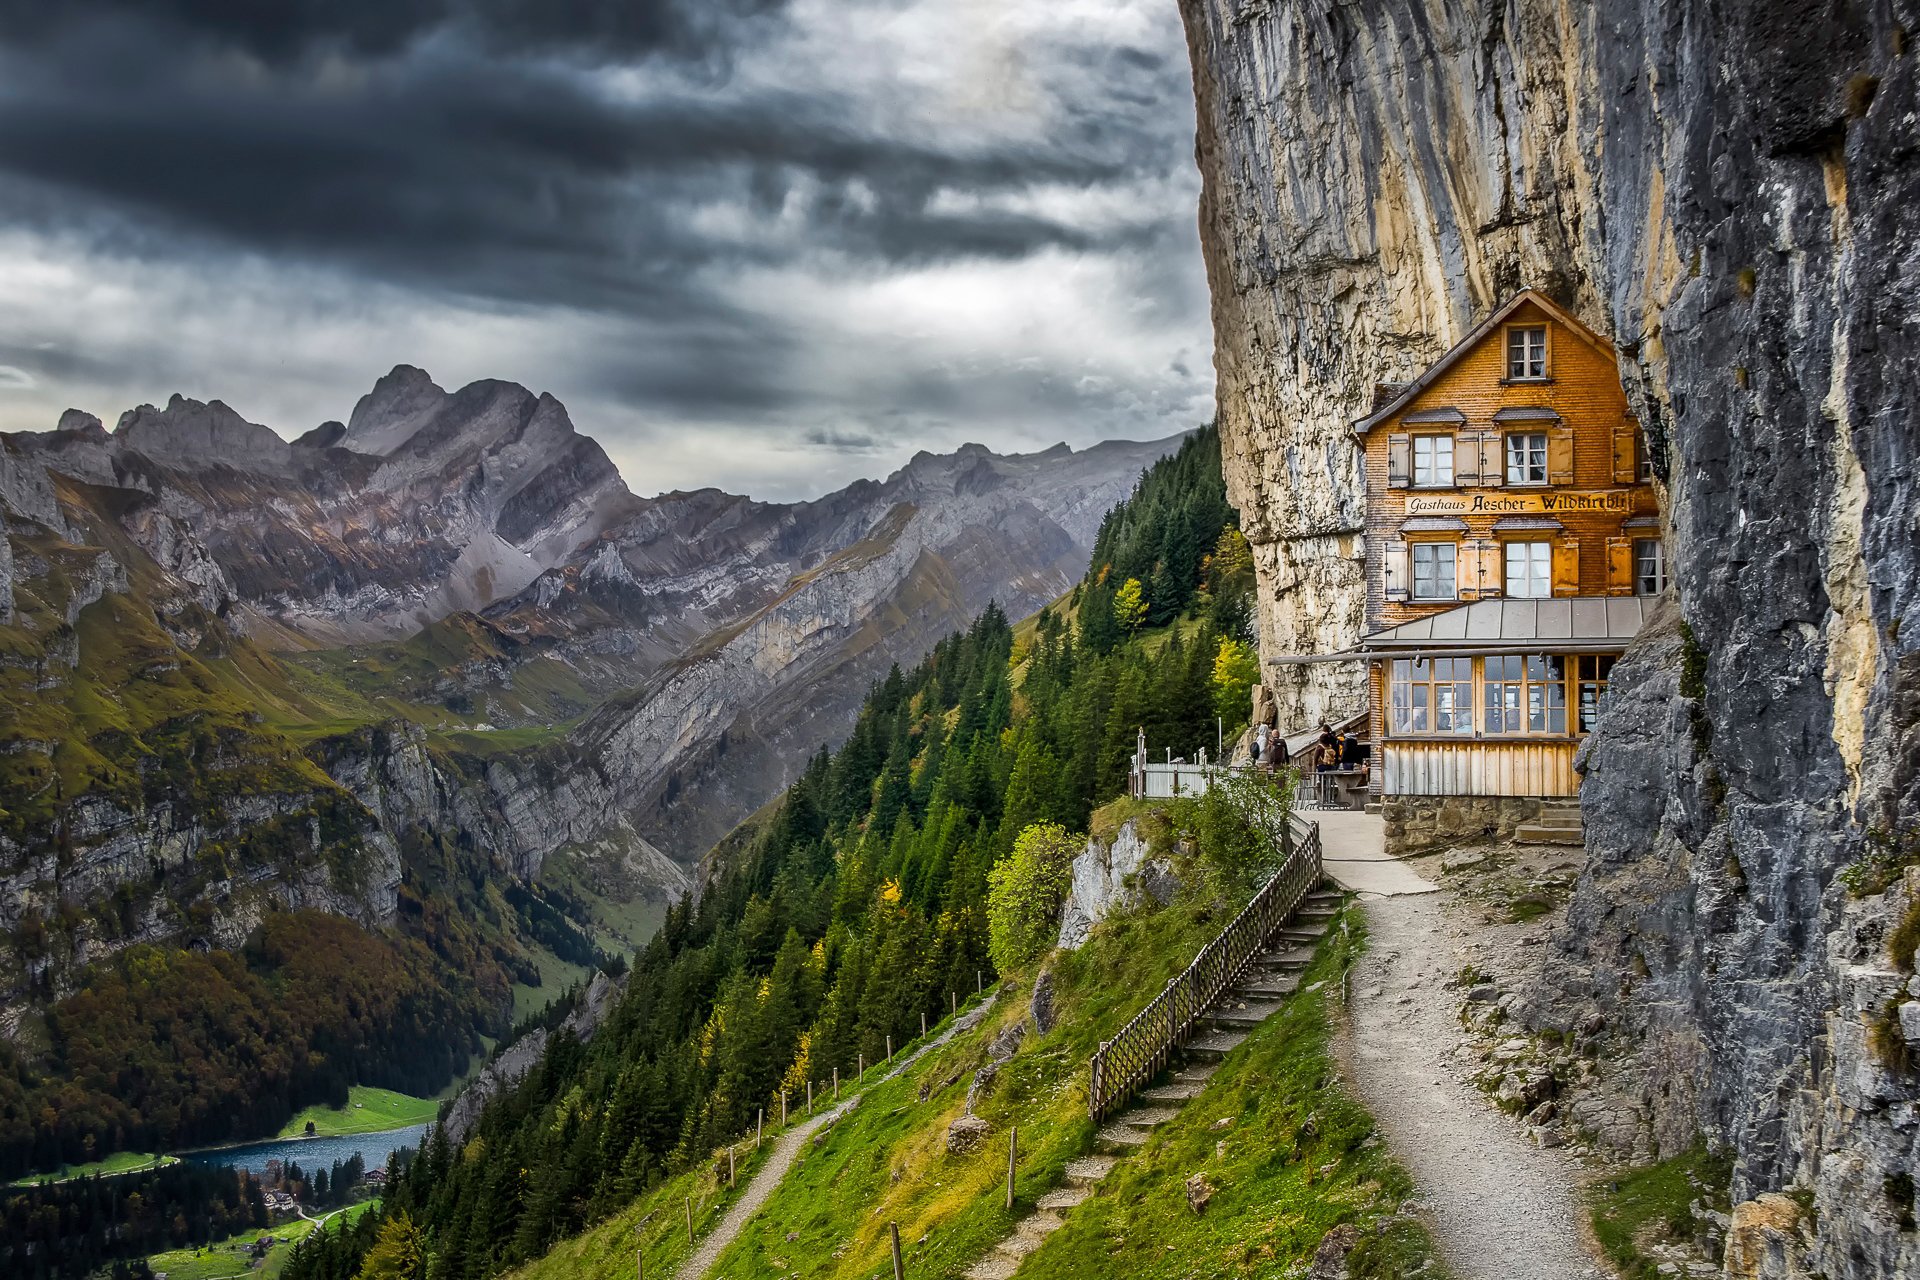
[1419,823]
[1728,190]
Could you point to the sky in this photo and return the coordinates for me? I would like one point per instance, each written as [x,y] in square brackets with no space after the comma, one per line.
[770,245]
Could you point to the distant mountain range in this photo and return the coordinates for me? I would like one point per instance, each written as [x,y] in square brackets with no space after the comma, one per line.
[241,674]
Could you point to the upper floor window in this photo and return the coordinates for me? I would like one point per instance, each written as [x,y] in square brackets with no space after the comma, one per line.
[1643,457]
[1527,352]
[1649,567]
[1529,570]
[1527,457]
[1433,461]
[1433,571]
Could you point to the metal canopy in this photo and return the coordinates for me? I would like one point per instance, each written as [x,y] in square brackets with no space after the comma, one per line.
[1601,623]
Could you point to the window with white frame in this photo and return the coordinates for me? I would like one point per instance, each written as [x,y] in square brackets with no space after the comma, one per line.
[1527,352]
[1649,567]
[1526,457]
[1433,461]
[1433,571]
[1529,570]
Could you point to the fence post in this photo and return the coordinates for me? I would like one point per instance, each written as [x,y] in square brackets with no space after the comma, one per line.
[899,1271]
[689,1219]
[889,1048]
[836,1086]
[783,1108]
[953,1002]
[759,1123]
[923,1022]
[729,1168]
[809,1097]
[1013,1156]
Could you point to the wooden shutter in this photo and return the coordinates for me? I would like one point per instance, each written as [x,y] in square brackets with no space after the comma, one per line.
[1475,580]
[1566,567]
[1492,562]
[1626,452]
[1399,460]
[1466,460]
[1619,566]
[1560,455]
[1493,458]
[1398,572]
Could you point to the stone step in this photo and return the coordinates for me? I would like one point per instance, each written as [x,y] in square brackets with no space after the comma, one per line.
[1312,931]
[1195,1073]
[993,1267]
[1119,1139]
[1234,1013]
[1145,1118]
[1215,1045]
[1276,987]
[1333,896]
[1031,1232]
[1086,1172]
[1065,1199]
[1171,1094]
[1533,833]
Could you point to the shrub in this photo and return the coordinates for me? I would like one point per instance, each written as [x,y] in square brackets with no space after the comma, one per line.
[1024,892]
[1239,829]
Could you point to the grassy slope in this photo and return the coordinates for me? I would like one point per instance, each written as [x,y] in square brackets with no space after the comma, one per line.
[368,1110]
[229,1257]
[887,1161]
[118,1162]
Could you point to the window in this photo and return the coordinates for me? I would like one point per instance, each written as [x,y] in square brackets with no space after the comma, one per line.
[1433,461]
[1527,457]
[1432,696]
[1643,459]
[1527,352]
[1433,564]
[1529,570]
[1590,674]
[1525,695]
[1649,567]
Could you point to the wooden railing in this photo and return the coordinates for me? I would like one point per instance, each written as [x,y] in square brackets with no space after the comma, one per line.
[1144,1046]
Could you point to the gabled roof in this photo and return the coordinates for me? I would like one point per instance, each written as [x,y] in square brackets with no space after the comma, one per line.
[1559,625]
[1479,334]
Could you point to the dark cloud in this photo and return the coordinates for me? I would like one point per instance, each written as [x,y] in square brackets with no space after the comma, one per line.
[292,30]
[705,181]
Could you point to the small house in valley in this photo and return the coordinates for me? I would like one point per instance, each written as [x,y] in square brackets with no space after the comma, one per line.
[1513,542]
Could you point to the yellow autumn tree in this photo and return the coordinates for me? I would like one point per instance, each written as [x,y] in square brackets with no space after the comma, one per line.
[396,1251]
[1130,605]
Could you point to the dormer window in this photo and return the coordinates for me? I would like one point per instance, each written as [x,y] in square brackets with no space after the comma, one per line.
[1526,353]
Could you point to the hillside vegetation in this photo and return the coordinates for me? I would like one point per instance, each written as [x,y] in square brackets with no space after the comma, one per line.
[856,908]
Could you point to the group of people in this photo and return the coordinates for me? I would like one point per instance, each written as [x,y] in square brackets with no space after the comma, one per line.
[1331,751]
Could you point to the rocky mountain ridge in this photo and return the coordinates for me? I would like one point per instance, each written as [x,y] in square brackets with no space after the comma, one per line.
[182,758]
[1727,191]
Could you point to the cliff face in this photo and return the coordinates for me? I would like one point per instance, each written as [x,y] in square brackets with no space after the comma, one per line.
[1729,191]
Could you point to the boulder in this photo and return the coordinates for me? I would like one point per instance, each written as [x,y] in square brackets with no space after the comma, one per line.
[965,1135]
[1044,1014]
[1199,1192]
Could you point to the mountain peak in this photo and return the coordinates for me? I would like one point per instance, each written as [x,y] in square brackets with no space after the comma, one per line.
[201,433]
[389,414]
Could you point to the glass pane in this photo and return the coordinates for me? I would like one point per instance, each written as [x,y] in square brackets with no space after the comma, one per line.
[1402,713]
[1420,692]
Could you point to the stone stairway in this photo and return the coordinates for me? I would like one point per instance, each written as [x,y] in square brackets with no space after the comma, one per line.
[1270,978]
[1559,823]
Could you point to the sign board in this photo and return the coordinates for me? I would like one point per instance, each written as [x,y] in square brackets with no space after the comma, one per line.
[1509,502]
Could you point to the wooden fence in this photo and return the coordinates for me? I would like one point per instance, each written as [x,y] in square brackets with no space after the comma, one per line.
[1144,1046]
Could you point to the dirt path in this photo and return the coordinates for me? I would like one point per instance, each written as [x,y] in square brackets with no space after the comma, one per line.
[1501,1208]
[786,1149]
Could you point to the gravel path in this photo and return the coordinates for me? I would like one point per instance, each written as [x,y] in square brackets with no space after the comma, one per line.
[786,1149]
[1500,1207]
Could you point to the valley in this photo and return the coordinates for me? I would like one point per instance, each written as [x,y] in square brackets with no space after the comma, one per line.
[282,713]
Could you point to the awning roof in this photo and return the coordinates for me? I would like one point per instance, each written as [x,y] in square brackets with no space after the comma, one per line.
[1592,623]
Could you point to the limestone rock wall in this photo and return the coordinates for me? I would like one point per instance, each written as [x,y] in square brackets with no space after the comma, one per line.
[1729,190]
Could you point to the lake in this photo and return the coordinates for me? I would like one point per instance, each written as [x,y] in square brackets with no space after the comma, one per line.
[313,1153]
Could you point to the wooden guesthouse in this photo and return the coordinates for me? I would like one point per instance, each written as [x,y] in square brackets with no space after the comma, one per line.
[1513,537]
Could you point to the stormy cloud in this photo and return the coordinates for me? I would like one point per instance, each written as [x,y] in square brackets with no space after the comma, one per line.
[735,237]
